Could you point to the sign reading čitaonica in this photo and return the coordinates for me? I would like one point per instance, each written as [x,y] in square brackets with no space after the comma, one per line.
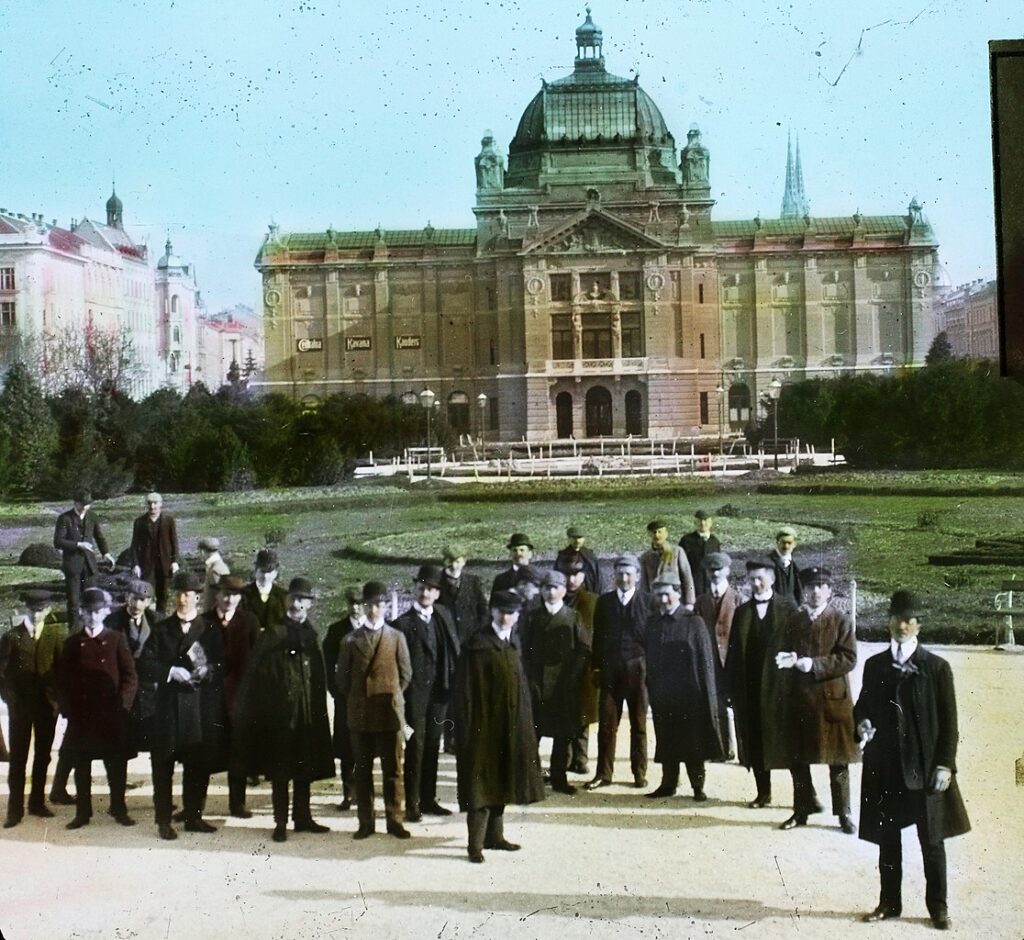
[407,342]
[310,345]
[358,342]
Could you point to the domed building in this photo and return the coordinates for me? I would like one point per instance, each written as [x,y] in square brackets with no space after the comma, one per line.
[596,295]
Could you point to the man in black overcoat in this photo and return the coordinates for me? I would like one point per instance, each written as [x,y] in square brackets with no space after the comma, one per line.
[620,618]
[787,572]
[263,597]
[136,620]
[189,724]
[576,550]
[336,633]
[697,544]
[433,650]
[80,539]
[521,549]
[496,748]
[462,594]
[153,551]
[907,723]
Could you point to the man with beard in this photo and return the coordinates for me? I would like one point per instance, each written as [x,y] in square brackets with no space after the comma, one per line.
[583,601]
[681,686]
[189,722]
[264,598]
[433,650]
[496,748]
[80,539]
[522,552]
[698,544]
[154,548]
[282,708]
[355,616]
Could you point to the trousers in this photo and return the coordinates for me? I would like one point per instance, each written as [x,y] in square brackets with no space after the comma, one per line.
[486,826]
[27,718]
[117,777]
[387,747]
[194,784]
[421,758]
[626,686]
[805,798]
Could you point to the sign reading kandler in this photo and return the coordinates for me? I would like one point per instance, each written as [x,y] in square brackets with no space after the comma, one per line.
[407,342]
[309,345]
[358,342]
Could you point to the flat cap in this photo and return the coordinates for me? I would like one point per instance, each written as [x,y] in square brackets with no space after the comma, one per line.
[785,531]
[186,581]
[574,532]
[429,575]
[154,498]
[518,538]
[139,588]
[553,579]
[715,560]
[702,514]
[82,496]
[375,592]
[760,564]
[507,601]
[301,587]
[570,564]
[666,579]
[451,552]
[656,524]
[266,560]
[812,576]
[904,605]
[230,584]
[627,560]
[209,544]
[95,598]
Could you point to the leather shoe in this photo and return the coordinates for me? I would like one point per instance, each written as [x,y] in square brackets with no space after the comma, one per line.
[123,819]
[11,821]
[503,845]
[760,801]
[699,796]
[476,857]
[280,833]
[662,791]
[639,782]
[167,831]
[596,783]
[345,805]
[363,832]
[415,816]
[240,812]
[62,798]
[793,822]
[941,922]
[311,825]
[816,806]
[881,913]
[198,824]
[436,809]
[178,816]
[847,825]
[398,831]
[41,810]
[567,788]
[78,822]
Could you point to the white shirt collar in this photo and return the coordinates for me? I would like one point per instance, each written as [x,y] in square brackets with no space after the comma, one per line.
[373,625]
[424,613]
[554,608]
[503,633]
[669,613]
[764,598]
[901,652]
[816,612]
[625,596]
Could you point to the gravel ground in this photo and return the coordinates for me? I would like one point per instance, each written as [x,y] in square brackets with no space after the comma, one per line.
[604,865]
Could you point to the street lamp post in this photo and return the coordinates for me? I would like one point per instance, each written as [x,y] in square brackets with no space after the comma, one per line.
[427,398]
[775,391]
[721,418]
[481,401]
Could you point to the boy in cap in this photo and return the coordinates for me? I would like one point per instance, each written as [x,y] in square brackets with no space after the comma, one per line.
[373,672]
[216,568]
[662,558]
[818,645]
[578,550]
[433,650]
[29,651]
[263,597]
[907,725]
[154,548]
[80,539]
[697,544]
[497,760]
[521,549]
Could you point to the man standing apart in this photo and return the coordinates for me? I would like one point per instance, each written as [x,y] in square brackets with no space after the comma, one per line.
[154,548]
[433,649]
[495,743]
[697,544]
[907,723]
[29,652]
[79,537]
[821,650]
[373,672]
[661,559]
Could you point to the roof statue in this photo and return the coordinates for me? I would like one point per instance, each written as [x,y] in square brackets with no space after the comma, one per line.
[490,165]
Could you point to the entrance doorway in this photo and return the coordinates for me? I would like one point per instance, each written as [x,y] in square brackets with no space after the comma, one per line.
[634,413]
[563,415]
[599,412]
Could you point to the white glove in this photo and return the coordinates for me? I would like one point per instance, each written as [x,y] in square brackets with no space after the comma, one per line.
[137,571]
[785,660]
[109,558]
[865,732]
[175,567]
[941,779]
[179,674]
[804,664]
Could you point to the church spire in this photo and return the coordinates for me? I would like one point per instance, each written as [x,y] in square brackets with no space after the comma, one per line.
[794,202]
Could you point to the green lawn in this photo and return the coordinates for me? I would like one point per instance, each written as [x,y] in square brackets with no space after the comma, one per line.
[877,528]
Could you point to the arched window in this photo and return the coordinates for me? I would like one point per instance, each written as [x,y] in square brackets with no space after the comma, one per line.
[174,303]
[739,404]
[599,412]
[410,398]
[458,412]
[563,415]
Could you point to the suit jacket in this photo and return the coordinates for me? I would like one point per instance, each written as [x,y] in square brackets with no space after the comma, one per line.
[68,532]
[28,666]
[913,712]
[239,639]
[466,603]
[269,613]
[556,652]
[787,580]
[672,558]
[619,634]
[373,672]
[696,548]
[154,548]
[433,650]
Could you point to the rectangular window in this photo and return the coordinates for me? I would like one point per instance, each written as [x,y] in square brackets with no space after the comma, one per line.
[7,313]
[702,345]
[632,336]
[6,278]
[705,414]
[597,336]
[561,288]
[629,285]
[596,284]
[492,299]
[700,292]
[561,337]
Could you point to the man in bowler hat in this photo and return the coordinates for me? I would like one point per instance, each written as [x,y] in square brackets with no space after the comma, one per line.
[521,549]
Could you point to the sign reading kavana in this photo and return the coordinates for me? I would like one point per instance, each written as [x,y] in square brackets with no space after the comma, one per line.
[310,345]
[358,342]
[407,342]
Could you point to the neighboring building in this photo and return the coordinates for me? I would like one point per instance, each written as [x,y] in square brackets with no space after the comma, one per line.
[234,335]
[595,295]
[178,309]
[968,315]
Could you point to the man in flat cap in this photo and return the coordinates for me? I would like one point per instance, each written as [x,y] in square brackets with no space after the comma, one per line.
[215,569]
[819,648]
[153,551]
[97,682]
[907,724]
[263,597]
[620,619]
[717,607]
[755,678]
[136,620]
[496,747]
[577,549]
[521,549]
[29,652]
[527,585]
[189,724]
[80,540]
[282,708]
[461,593]
[787,572]
[662,558]
[373,671]
[681,687]
[433,650]
[697,544]
[556,652]
[584,603]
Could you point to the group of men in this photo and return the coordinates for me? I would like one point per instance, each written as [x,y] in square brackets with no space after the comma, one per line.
[239,683]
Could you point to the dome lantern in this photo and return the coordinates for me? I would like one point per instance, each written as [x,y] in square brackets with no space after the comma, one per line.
[589,42]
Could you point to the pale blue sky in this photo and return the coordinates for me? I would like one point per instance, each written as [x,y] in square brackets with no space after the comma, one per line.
[218,116]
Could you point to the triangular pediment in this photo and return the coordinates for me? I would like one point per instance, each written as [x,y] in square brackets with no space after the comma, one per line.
[592,232]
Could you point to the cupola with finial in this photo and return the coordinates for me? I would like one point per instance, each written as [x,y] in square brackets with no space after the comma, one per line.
[115,210]
[589,42]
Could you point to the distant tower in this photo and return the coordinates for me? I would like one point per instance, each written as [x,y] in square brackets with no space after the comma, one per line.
[115,210]
[794,202]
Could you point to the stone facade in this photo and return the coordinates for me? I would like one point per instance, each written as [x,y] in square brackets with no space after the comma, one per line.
[968,315]
[596,295]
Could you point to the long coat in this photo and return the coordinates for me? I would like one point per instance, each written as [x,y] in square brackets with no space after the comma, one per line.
[68,532]
[815,722]
[373,672]
[433,650]
[143,710]
[333,639]
[696,548]
[753,674]
[718,618]
[584,602]
[556,652]
[670,560]
[496,748]
[466,603]
[681,688]
[269,613]
[281,710]
[97,687]
[190,720]
[914,715]
[154,546]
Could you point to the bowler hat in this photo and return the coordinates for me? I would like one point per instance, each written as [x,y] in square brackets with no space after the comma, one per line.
[702,514]
[375,592]
[904,605]
[301,587]
[812,576]
[266,560]
[139,588]
[209,544]
[430,575]
[656,524]
[518,538]
[627,560]
[574,532]
[507,601]
[667,579]
[95,598]
[529,573]
[713,561]
[230,584]
[759,564]
[34,599]
[553,579]
[186,581]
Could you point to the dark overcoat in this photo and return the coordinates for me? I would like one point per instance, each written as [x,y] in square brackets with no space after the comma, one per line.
[591,566]
[681,688]
[269,613]
[68,532]
[333,639]
[914,715]
[556,651]
[466,602]
[154,547]
[190,719]
[97,687]
[787,580]
[718,617]
[239,638]
[143,709]
[696,548]
[504,581]
[584,602]
[754,676]
[282,723]
[815,722]
[433,650]
[496,747]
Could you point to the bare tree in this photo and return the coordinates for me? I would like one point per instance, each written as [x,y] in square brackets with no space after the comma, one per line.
[93,361]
